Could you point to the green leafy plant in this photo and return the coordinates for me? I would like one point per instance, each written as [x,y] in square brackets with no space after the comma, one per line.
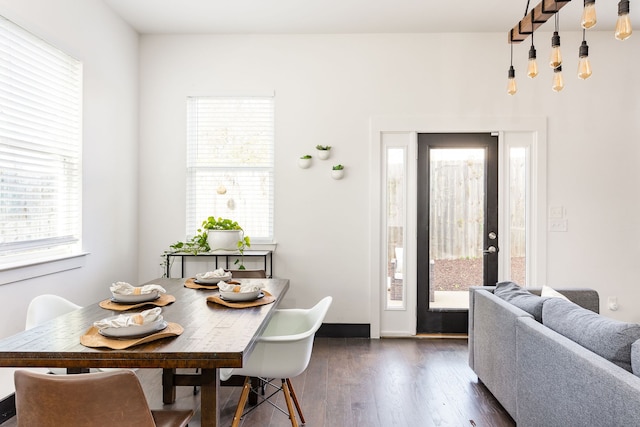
[338,167]
[306,156]
[323,147]
[213,223]
[199,243]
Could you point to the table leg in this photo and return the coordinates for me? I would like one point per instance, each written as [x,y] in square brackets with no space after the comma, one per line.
[209,409]
[168,385]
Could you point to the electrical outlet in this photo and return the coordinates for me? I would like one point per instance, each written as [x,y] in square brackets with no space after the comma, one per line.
[613,303]
[558,225]
[556,212]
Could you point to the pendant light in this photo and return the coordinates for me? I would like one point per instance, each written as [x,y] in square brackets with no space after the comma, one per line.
[623,25]
[532,67]
[558,80]
[588,14]
[512,87]
[584,66]
[556,55]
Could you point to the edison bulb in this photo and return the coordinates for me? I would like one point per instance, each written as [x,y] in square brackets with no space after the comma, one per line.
[623,27]
[589,15]
[558,80]
[584,66]
[512,87]
[532,67]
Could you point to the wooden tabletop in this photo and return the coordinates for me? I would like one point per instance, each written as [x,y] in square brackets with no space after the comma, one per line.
[214,336]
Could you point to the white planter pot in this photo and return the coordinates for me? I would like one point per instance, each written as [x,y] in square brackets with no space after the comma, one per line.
[323,154]
[304,163]
[337,174]
[224,240]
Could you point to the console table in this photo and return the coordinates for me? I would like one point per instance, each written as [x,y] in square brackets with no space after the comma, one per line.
[221,259]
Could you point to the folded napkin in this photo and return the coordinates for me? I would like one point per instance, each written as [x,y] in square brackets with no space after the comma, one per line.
[125,320]
[220,272]
[247,287]
[124,288]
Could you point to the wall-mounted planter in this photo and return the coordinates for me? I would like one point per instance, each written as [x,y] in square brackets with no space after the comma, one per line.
[323,151]
[304,162]
[337,173]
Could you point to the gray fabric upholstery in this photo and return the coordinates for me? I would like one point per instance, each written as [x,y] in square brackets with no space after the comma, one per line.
[521,298]
[494,352]
[606,337]
[635,358]
[562,384]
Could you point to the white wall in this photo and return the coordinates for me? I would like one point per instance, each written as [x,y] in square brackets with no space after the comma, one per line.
[108,49]
[329,86]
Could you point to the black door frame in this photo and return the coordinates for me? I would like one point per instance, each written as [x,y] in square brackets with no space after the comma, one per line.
[452,320]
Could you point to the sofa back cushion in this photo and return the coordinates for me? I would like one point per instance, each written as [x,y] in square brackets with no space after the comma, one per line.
[608,338]
[520,298]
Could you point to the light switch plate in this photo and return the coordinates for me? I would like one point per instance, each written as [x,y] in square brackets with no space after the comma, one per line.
[556,212]
[558,225]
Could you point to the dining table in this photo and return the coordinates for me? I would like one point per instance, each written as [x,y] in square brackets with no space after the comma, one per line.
[212,336]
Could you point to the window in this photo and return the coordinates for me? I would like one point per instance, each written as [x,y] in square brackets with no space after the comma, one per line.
[40,146]
[230,151]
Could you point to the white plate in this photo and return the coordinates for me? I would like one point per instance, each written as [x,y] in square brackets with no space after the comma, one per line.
[241,296]
[134,331]
[212,280]
[135,298]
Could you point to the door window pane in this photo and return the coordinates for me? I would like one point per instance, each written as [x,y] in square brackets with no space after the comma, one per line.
[517,209]
[396,225]
[456,221]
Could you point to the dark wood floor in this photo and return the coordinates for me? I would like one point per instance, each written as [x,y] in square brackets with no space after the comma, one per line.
[360,382]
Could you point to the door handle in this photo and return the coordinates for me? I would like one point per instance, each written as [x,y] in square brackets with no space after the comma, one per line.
[491,250]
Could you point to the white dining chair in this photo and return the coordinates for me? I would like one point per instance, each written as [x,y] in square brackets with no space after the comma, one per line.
[47,307]
[44,308]
[282,352]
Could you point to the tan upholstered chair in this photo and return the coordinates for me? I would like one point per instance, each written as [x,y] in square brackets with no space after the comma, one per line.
[103,399]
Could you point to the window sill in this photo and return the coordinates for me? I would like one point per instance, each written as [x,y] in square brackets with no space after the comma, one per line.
[30,270]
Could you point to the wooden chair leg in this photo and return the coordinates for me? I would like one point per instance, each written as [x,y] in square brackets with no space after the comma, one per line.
[295,401]
[287,398]
[243,401]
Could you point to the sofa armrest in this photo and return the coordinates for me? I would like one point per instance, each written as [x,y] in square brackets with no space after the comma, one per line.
[560,383]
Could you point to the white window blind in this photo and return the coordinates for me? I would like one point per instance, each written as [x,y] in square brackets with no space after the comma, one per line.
[230,158]
[40,149]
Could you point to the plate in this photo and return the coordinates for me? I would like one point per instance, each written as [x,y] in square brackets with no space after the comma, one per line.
[129,299]
[211,280]
[136,331]
[241,296]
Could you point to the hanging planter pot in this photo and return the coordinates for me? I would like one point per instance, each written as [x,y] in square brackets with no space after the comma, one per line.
[304,162]
[323,151]
[337,172]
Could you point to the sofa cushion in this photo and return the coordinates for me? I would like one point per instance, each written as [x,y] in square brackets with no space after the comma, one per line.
[520,298]
[635,358]
[606,337]
[548,291]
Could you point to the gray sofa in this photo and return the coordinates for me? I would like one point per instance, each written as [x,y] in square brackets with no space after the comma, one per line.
[543,378]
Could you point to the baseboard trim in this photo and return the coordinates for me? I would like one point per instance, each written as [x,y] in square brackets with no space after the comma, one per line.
[344,330]
[7,408]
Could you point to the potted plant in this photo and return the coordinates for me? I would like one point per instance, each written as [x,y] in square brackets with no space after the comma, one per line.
[337,172]
[217,234]
[304,161]
[323,151]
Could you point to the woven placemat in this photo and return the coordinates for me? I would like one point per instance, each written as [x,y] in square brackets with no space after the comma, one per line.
[118,306]
[267,299]
[92,338]
[191,284]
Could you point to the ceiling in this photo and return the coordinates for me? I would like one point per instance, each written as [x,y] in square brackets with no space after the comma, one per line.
[342,16]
